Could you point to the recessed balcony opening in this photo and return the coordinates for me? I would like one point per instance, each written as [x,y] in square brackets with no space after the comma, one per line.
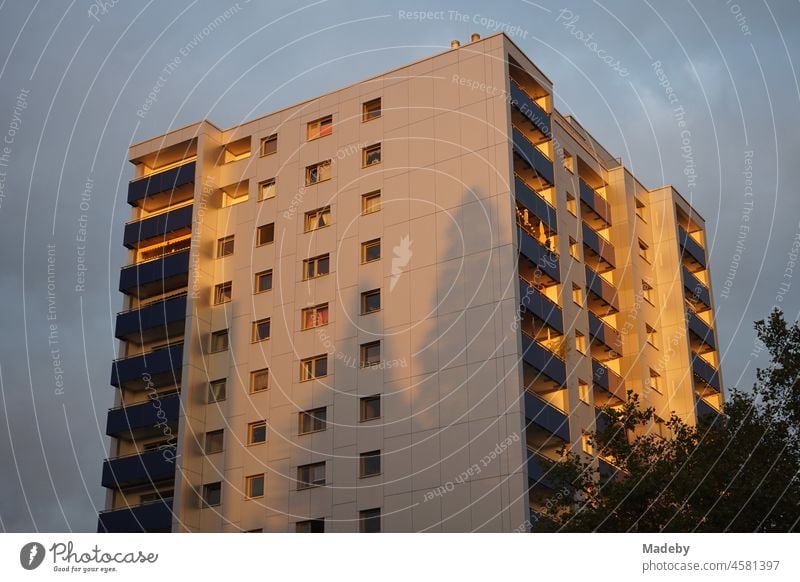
[603,398]
[531,86]
[236,150]
[536,381]
[534,124]
[531,162]
[235,193]
[601,296]
[537,228]
[166,199]
[538,277]
[543,442]
[598,251]
[595,209]
[605,339]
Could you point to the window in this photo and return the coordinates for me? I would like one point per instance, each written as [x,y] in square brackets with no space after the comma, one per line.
[213,442]
[569,161]
[216,391]
[580,342]
[320,127]
[317,173]
[577,294]
[583,391]
[369,521]
[371,155]
[316,367]
[310,475]
[318,218]
[647,291]
[254,486]
[212,494]
[371,251]
[574,250]
[265,234]
[370,408]
[572,205]
[261,330]
[264,281]
[370,354]
[586,444]
[371,110]
[225,246]
[313,420]
[316,316]
[267,189]
[219,340]
[652,335]
[316,267]
[310,526]
[371,202]
[369,464]
[655,381]
[259,380]
[269,144]
[370,301]
[222,293]
[644,250]
[257,432]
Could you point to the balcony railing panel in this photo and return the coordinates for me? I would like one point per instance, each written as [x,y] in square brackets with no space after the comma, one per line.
[595,202]
[155,516]
[160,226]
[701,330]
[160,182]
[598,245]
[602,332]
[691,248]
[544,360]
[705,372]
[541,306]
[535,203]
[540,256]
[530,109]
[157,368]
[148,467]
[698,292]
[602,289]
[144,418]
[533,157]
[156,321]
[156,276]
[608,380]
[546,416]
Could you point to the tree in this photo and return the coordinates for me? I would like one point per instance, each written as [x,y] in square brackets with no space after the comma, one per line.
[739,472]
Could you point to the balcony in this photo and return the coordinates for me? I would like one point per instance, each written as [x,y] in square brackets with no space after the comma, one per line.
[533,157]
[536,472]
[595,208]
[144,419]
[693,253]
[531,199]
[139,469]
[599,249]
[543,360]
[152,517]
[608,380]
[706,411]
[157,228]
[545,260]
[607,338]
[163,188]
[602,296]
[541,306]
[705,373]
[160,275]
[546,416]
[530,109]
[702,335]
[696,292]
[606,469]
[157,321]
[160,367]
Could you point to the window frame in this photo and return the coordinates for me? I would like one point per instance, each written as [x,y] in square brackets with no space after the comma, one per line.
[316,214]
[211,396]
[221,245]
[258,277]
[207,487]
[318,167]
[248,485]
[363,462]
[370,516]
[367,151]
[308,483]
[314,422]
[375,194]
[366,246]
[365,297]
[265,228]
[314,312]
[253,380]
[363,405]
[265,142]
[261,188]
[256,336]
[214,433]
[314,361]
[367,114]
[219,293]
[319,122]
[311,523]
[215,335]
[316,261]
[251,428]
[363,352]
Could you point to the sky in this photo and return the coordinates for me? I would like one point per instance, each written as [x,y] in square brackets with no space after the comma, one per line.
[703,96]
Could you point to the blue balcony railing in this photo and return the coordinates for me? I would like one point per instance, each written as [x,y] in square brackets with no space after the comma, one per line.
[536,471]
[152,517]
[144,418]
[599,246]
[541,306]
[530,109]
[156,321]
[547,416]
[536,252]
[545,361]
[705,372]
[529,198]
[139,469]
[697,291]
[701,330]
[691,248]
[595,202]
[706,411]
[533,157]
[160,182]
[602,289]
[608,380]
[153,228]
[602,332]
[154,369]
[160,275]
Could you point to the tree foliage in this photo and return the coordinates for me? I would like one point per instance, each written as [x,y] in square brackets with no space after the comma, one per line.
[739,472]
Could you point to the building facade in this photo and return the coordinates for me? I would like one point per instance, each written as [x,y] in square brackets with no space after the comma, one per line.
[376,310]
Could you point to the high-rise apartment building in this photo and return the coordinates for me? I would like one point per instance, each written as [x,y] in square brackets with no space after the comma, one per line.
[378,309]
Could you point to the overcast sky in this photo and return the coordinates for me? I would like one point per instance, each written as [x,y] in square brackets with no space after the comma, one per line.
[73,76]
